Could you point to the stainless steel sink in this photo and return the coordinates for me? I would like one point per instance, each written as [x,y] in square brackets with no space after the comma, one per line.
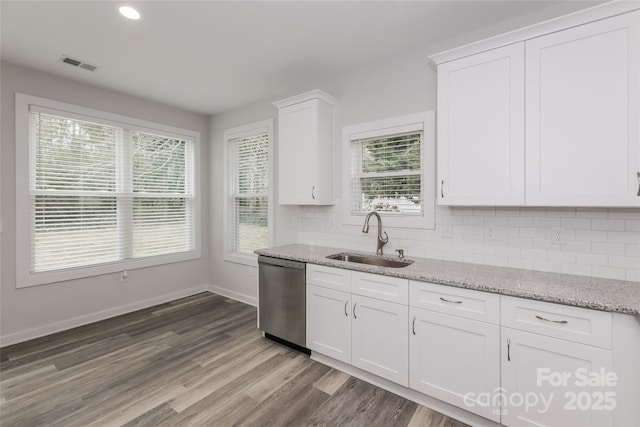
[371,260]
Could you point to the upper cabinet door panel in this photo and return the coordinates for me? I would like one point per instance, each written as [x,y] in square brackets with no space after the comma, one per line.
[582,91]
[481,128]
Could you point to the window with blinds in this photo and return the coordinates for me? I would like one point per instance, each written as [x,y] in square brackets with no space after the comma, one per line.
[248,205]
[101,193]
[386,174]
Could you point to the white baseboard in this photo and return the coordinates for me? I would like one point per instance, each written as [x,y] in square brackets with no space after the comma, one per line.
[234,295]
[41,331]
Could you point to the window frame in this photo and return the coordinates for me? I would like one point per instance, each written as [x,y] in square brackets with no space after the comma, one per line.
[24,216]
[423,122]
[251,129]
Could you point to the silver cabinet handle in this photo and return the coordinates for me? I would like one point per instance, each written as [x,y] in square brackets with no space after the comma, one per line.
[313,192]
[345,308]
[442,188]
[509,349]
[452,302]
[413,325]
[354,311]
[638,173]
[562,322]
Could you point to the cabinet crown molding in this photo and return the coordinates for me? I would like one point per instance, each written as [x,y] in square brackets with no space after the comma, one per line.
[312,94]
[580,17]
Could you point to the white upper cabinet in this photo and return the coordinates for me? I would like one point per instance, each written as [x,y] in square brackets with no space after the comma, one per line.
[481,128]
[305,149]
[545,116]
[582,115]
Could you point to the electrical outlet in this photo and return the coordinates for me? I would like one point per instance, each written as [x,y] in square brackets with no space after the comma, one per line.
[557,236]
[490,232]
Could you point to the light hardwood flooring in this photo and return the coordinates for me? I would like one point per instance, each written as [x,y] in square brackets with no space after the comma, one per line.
[197,361]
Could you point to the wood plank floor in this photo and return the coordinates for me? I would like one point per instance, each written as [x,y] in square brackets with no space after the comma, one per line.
[197,361]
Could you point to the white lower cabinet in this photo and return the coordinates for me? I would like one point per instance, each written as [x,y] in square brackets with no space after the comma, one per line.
[368,333]
[456,360]
[514,361]
[329,322]
[554,382]
[379,338]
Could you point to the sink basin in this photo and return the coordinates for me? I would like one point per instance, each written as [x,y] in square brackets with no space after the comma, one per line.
[376,260]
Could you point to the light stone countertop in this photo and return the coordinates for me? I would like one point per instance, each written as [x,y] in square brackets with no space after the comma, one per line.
[581,291]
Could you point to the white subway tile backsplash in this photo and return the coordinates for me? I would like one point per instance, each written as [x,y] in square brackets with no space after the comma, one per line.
[517,242]
[575,246]
[592,259]
[598,242]
[626,213]
[576,223]
[592,213]
[520,222]
[632,225]
[559,256]
[526,264]
[497,220]
[608,272]
[633,275]
[579,269]
[547,222]
[484,211]
[533,253]
[631,237]
[544,265]
[561,212]
[624,262]
[473,220]
[608,248]
[633,250]
[508,252]
[533,233]
[607,224]
[591,235]
[500,211]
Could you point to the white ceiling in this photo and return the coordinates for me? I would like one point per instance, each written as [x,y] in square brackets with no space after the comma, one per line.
[213,56]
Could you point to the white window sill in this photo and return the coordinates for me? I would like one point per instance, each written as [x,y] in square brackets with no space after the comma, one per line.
[246,259]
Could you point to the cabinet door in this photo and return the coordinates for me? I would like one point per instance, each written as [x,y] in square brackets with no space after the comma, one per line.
[481,129]
[380,338]
[582,91]
[329,322]
[297,140]
[541,369]
[455,360]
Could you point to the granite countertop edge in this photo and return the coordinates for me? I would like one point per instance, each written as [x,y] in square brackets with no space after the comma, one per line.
[609,295]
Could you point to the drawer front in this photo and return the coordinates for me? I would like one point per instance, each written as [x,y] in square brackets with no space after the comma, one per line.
[575,324]
[329,277]
[392,289]
[467,303]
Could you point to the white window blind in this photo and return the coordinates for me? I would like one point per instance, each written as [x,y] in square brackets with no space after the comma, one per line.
[386,174]
[103,193]
[248,205]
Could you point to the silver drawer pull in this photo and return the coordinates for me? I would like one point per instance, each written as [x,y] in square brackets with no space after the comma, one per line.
[452,302]
[563,322]
[413,326]
[345,308]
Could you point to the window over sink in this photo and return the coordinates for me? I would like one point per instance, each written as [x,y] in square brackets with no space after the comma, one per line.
[390,168]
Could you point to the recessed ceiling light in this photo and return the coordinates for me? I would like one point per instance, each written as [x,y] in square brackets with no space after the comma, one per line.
[129,12]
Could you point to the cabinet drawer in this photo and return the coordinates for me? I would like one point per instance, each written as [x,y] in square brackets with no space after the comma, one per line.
[385,288]
[467,303]
[575,324]
[329,277]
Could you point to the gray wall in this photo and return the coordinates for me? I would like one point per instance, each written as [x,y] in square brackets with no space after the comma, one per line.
[32,311]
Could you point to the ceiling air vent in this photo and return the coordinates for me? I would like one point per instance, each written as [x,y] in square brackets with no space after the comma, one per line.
[77,63]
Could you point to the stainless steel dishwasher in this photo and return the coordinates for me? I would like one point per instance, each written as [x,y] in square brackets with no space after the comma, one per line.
[282,300]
